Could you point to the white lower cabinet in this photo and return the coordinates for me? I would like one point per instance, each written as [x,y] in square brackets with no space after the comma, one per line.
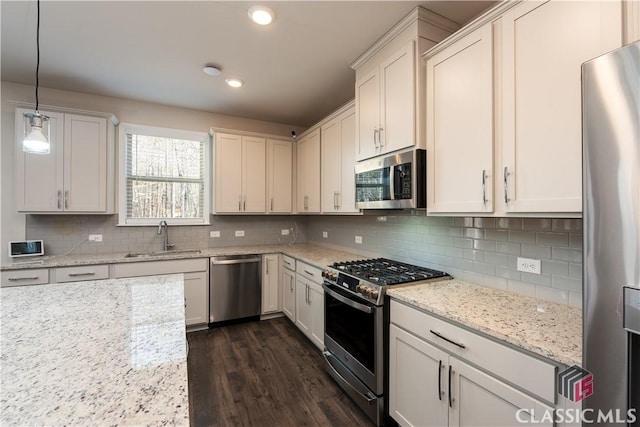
[288,290]
[431,383]
[310,309]
[196,298]
[196,283]
[270,302]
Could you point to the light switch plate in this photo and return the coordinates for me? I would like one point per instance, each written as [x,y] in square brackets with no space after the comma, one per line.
[95,237]
[215,233]
[284,231]
[529,265]
[359,239]
[239,233]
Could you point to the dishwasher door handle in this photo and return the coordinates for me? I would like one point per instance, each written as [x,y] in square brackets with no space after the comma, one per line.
[235,261]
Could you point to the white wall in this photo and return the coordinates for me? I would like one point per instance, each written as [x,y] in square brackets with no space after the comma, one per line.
[12,224]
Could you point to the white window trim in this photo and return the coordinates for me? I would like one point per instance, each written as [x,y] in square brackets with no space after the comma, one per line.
[125,128]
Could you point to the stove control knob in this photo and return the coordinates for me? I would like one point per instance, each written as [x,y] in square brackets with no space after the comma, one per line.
[374,294]
[333,276]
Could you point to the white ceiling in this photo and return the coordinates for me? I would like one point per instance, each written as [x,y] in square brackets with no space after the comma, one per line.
[296,70]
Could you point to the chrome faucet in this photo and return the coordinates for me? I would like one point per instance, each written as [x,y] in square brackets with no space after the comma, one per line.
[165,244]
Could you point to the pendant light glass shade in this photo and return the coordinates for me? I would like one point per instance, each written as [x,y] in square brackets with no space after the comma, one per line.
[35,140]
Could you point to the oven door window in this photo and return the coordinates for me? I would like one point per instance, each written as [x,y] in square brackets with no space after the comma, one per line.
[373,186]
[352,329]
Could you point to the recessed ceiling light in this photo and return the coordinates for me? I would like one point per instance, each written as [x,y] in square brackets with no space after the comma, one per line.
[261,15]
[234,82]
[211,70]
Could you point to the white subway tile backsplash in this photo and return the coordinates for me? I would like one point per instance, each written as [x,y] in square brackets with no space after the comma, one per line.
[537,252]
[496,259]
[575,299]
[566,224]
[473,255]
[497,235]
[474,233]
[562,254]
[553,239]
[535,279]
[553,295]
[522,288]
[550,267]
[484,223]
[536,224]
[509,248]
[567,284]
[575,270]
[509,223]
[528,237]
[463,243]
[484,245]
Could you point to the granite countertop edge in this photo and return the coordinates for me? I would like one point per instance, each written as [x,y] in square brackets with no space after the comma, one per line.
[547,329]
[317,255]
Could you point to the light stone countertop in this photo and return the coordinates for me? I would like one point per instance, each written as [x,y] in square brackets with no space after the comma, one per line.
[319,256]
[545,328]
[104,352]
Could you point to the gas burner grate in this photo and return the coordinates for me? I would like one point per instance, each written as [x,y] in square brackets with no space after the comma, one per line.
[387,272]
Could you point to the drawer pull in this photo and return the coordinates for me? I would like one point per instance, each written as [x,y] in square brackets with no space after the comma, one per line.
[15,279]
[89,273]
[439,379]
[439,335]
[309,273]
[450,397]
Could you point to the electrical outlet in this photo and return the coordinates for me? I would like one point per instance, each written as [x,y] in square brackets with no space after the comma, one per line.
[215,233]
[381,218]
[239,233]
[529,265]
[359,239]
[325,234]
[95,237]
[284,231]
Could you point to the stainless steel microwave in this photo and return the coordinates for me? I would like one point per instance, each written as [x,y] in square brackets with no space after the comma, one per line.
[395,181]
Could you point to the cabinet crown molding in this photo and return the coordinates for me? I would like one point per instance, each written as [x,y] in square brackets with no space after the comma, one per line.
[417,14]
[491,15]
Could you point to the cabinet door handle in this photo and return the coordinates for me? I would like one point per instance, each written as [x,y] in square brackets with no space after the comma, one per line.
[88,273]
[66,199]
[306,202]
[375,137]
[239,202]
[484,187]
[439,335]
[17,279]
[380,130]
[506,186]
[268,266]
[291,283]
[271,209]
[439,379]
[59,199]
[450,397]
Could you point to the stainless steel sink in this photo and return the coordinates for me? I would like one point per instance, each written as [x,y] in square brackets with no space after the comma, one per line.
[161,254]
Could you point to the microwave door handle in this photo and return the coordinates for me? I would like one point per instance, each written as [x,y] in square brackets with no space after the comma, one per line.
[392,183]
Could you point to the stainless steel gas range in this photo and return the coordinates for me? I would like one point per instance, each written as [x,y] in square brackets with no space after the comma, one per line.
[354,334]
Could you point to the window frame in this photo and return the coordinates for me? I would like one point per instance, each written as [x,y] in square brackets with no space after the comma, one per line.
[131,128]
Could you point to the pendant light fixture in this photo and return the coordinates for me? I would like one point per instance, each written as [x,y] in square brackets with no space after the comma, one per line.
[35,141]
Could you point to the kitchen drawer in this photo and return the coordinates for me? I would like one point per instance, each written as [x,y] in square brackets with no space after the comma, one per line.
[522,370]
[288,262]
[150,268]
[76,274]
[309,272]
[25,277]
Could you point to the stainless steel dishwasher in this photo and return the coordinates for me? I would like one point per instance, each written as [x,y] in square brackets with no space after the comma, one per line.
[235,288]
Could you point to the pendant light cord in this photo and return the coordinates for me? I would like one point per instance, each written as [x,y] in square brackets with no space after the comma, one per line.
[37,55]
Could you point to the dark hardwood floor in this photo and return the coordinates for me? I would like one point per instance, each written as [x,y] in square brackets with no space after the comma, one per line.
[264,373]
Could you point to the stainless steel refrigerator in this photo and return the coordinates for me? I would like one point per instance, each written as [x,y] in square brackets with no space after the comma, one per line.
[611,215]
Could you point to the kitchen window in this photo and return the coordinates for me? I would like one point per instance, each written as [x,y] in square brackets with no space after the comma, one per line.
[164,175]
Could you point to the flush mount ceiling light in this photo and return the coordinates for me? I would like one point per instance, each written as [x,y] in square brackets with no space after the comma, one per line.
[35,141]
[211,70]
[234,82]
[261,15]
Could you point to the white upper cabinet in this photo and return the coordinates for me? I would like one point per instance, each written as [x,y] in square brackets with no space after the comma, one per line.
[389,85]
[308,172]
[543,45]
[459,125]
[503,115]
[77,176]
[279,176]
[338,161]
[240,171]
[385,100]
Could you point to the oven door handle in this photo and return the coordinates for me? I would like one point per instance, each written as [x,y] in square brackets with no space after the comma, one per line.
[326,356]
[347,301]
